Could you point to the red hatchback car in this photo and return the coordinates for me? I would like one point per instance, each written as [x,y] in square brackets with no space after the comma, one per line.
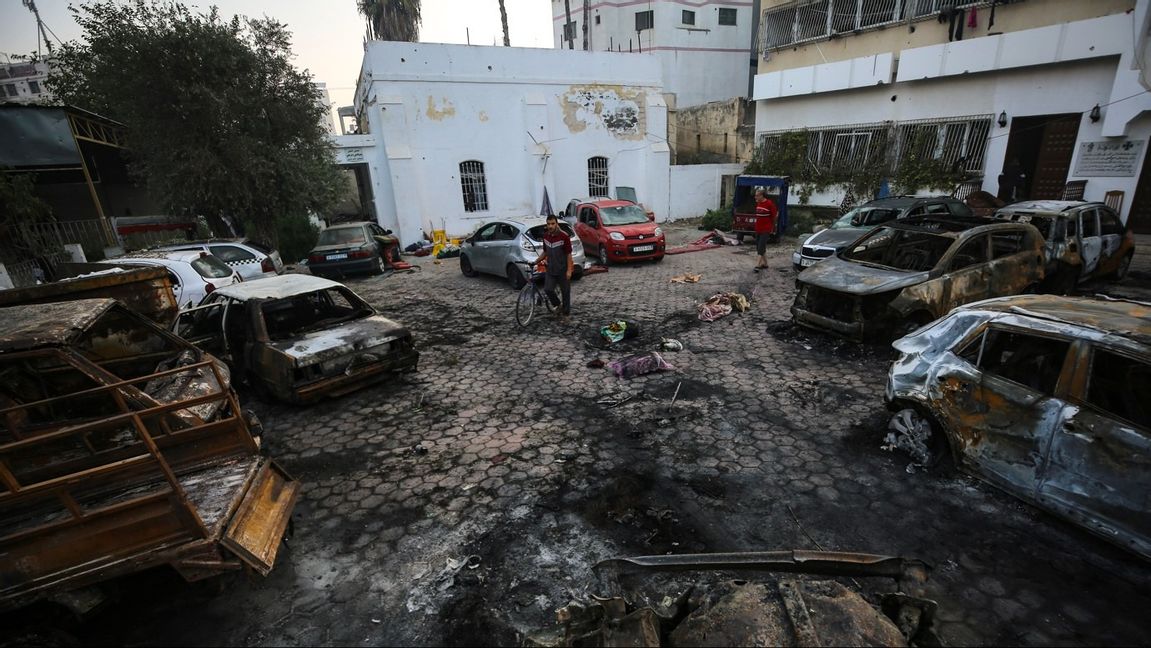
[616,231]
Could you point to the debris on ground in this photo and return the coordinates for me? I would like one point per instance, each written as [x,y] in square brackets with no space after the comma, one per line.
[639,364]
[595,364]
[668,344]
[448,251]
[909,433]
[713,239]
[595,269]
[721,304]
[619,330]
[687,278]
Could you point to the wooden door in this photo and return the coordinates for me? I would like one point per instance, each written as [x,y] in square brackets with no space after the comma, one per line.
[1054,159]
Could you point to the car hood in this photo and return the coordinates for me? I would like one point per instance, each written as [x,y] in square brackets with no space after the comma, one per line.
[633,230]
[836,238]
[837,274]
[349,337]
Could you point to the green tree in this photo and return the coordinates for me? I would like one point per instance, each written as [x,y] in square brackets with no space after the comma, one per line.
[19,206]
[392,20]
[220,123]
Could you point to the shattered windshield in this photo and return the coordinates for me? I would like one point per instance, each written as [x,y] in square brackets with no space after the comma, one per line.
[623,215]
[864,217]
[900,249]
[342,236]
[292,316]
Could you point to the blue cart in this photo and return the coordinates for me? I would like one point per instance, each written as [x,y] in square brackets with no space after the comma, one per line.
[743,214]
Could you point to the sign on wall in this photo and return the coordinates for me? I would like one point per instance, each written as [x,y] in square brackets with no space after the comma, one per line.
[1113,158]
[349,155]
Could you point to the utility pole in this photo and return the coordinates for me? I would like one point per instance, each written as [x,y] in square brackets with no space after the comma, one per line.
[567,21]
[586,17]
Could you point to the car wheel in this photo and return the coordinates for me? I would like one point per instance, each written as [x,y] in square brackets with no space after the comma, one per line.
[381,266]
[603,260]
[921,437]
[515,277]
[466,266]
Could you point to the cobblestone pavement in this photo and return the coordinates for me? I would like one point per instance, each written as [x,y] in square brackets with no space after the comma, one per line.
[499,449]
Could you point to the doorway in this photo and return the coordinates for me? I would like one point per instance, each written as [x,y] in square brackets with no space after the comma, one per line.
[1140,216]
[1042,147]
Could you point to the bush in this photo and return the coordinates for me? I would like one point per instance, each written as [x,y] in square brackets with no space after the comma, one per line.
[719,219]
[297,235]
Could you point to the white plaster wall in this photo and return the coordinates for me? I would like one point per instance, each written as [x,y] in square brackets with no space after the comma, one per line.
[533,117]
[695,188]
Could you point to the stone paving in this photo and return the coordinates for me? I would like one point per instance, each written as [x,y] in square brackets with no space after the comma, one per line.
[462,504]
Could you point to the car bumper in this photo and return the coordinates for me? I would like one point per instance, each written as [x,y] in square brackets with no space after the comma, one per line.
[802,262]
[403,360]
[624,251]
[355,266]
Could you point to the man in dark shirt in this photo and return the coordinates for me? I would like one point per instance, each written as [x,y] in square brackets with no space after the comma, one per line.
[558,252]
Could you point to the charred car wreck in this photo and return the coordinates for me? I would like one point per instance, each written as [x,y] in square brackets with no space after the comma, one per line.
[123,447]
[299,337]
[906,273]
[1043,396]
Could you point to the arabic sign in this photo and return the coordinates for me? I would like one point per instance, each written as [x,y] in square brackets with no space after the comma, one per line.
[1111,158]
[349,155]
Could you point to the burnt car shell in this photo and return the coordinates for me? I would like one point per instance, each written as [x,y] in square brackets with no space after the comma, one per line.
[935,264]
[300,337]
[1044,397]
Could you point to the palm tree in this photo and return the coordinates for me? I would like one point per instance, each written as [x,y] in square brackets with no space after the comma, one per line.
[504,20]
[392,20]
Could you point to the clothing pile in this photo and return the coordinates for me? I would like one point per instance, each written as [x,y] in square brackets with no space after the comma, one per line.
[448,251]
[420,248]
[619,330]
[721,304]
[639,364]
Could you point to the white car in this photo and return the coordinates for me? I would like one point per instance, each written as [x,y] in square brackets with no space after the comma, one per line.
[194,273]
[251,259]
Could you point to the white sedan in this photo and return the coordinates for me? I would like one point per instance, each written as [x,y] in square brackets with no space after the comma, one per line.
[194,274]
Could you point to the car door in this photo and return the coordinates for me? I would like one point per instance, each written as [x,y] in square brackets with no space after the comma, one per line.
[480,250]
[586,228]
[1110,235]
[1001,404]
[967,274]
[203,326]
[1090,242]
[1015,263]
[1100,457]
[502,245]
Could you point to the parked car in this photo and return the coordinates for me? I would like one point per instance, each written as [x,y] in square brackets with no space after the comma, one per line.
[820,245]
[299,337]
[194,273]
[251,259]
[1042,396]
[617,230]
[1083,240]
[498,246]
[348,248]
[909,272]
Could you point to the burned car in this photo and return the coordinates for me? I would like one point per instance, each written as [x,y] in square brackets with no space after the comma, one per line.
[906,273]
[1042,396]
[1083,240]
[299,337]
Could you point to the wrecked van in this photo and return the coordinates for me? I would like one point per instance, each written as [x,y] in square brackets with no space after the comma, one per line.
[123,447]
[1043,396]
[299,337]
[904,274]
[1082,240]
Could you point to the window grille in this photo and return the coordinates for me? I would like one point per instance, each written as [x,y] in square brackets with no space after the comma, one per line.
[727,16]
[570,31]
[807,20]
[474,186]
[958,142]
[644,20]
[597,181]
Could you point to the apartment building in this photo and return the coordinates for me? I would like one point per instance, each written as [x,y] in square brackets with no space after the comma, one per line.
[704,49]
[1053,91]
[23,82]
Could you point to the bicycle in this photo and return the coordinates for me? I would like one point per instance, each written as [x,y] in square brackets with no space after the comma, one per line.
[531,296]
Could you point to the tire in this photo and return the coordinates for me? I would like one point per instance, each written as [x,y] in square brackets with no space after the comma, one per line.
[381,266]
[922,439]
[603,260]
[466,266]
[525,306]
[515,278]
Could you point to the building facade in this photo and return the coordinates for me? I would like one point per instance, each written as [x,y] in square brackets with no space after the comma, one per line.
[1046,95]
[24,82]
[704,49]
[453,135]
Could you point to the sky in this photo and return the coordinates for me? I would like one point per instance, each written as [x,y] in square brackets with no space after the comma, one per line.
[327,35]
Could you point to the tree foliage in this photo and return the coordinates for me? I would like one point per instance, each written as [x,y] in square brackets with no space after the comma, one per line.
[392,20]
[220,123]
[19,206]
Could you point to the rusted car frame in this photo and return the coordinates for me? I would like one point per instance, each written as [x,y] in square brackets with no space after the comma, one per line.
[145,290]
[1042,396]
[122,448]
[906,273]
[299,338]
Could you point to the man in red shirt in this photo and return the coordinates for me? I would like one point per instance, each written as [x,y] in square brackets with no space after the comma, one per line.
[558,252]
[766,213]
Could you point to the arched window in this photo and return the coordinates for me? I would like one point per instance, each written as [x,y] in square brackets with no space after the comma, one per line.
[597,177]
[474,186]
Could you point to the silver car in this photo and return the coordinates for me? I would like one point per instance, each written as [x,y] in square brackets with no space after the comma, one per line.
[499,247]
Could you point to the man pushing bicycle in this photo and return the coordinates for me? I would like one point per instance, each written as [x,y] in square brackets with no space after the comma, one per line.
[557,253]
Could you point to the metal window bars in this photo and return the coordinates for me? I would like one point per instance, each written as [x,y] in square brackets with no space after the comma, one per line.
[474,186]
[809,20]
[958,142]
[597,177]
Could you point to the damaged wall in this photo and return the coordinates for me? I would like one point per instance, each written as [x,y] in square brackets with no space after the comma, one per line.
[532,117]
[721,131]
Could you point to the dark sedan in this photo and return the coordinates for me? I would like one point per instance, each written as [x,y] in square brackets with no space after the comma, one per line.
[348,248]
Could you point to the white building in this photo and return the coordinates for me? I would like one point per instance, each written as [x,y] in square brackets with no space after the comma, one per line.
[1052,85]
[704,49]
[326,121]
[24,82]
[453,135]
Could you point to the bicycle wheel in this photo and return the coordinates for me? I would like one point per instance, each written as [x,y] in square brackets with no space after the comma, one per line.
[526,304]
